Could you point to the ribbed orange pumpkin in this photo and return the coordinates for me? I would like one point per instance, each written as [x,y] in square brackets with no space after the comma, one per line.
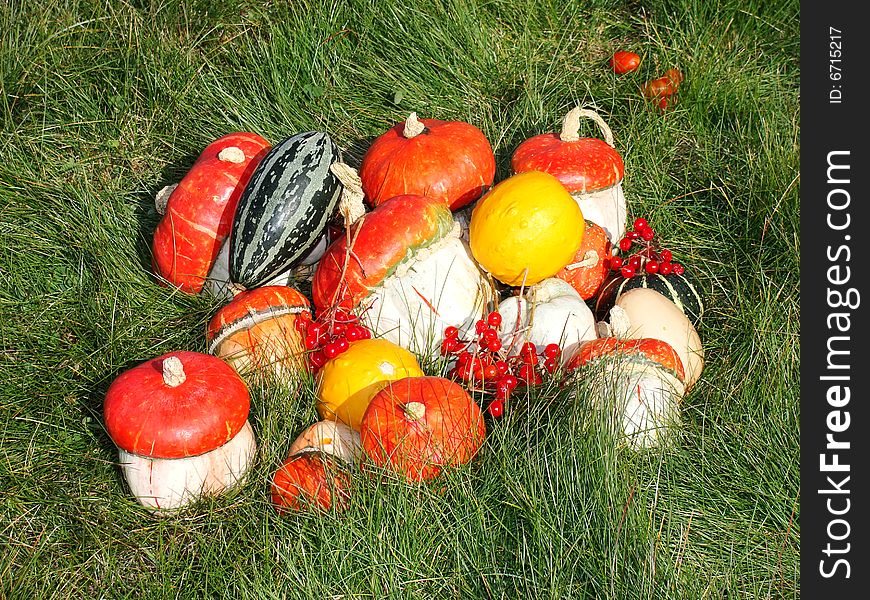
[451,161]
[590,265]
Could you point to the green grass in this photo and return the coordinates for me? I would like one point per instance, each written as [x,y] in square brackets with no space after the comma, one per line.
[103,103]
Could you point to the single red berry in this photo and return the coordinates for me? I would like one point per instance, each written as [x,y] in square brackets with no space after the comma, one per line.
[496,408]
[647,233]
[317,359]
[510,381]
[550,365]
[632,235]
[666,255]
[624,61]
[341,343]
[311,342]
[501,366]
[490,335]
[339,329]
[465,371]
[615,263]
[353,333]
[330,350]
[463,358]
[678,269]
[627,272]
[494,319]
[640,223]
[364,334]
[451,332]
[447,346]
[502,392]
[665,268]
[651,266]
[314,330]
[480,326]
[625,244]
[490,372]
[552,351]
[301,325]
[493,345]
[634,262]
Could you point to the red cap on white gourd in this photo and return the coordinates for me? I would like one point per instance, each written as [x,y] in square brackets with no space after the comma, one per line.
[177,405]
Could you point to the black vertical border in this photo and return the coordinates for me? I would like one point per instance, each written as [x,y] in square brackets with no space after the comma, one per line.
[827,127]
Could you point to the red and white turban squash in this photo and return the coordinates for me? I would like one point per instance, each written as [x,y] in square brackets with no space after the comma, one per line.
[590,169]
[198,212]
[258,333]
[180,422]
[451,161]
[639,383]
[404,269]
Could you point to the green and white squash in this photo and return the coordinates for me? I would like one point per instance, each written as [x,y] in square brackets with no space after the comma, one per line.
[679,289]
[285,208]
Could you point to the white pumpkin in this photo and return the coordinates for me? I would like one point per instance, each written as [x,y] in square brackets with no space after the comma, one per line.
[550,312]
[330,437]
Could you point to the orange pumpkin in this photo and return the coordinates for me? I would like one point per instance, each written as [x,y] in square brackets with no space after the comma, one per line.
[590,265]
[309,480]
[416,426]
[451,161]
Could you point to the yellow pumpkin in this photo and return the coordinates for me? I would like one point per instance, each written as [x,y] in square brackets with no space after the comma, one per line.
[347,383]
[525,229]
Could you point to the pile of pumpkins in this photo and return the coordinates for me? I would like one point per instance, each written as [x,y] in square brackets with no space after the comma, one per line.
[419,240]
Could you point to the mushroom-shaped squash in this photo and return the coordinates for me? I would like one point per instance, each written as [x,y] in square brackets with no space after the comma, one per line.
[590,168]
[645,313]
[180,422]
[418,426]
[404,269]
[258,332]
[550,312]
[639,382]
[198,211]
[451,161]
[310,480]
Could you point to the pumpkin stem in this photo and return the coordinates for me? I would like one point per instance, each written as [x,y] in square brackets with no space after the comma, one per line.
[413,127]
[173,371]
[161,199]
[590,259]
[232,154]
[351,204]
[415,411]
[619,322]
[235,288]
[571,125]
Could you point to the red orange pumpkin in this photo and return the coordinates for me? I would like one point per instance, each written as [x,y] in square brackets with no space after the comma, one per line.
[590,265]
[417,426]
[257,331]
[309,480]
[451,161]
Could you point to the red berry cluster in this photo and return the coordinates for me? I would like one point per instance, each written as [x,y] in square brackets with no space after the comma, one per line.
[329,335]
[646,255]
[485,363]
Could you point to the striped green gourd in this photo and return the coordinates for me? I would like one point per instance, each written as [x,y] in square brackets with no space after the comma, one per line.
[678,288]
[284,209]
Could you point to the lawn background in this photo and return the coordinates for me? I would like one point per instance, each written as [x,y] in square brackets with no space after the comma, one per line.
[104,103]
